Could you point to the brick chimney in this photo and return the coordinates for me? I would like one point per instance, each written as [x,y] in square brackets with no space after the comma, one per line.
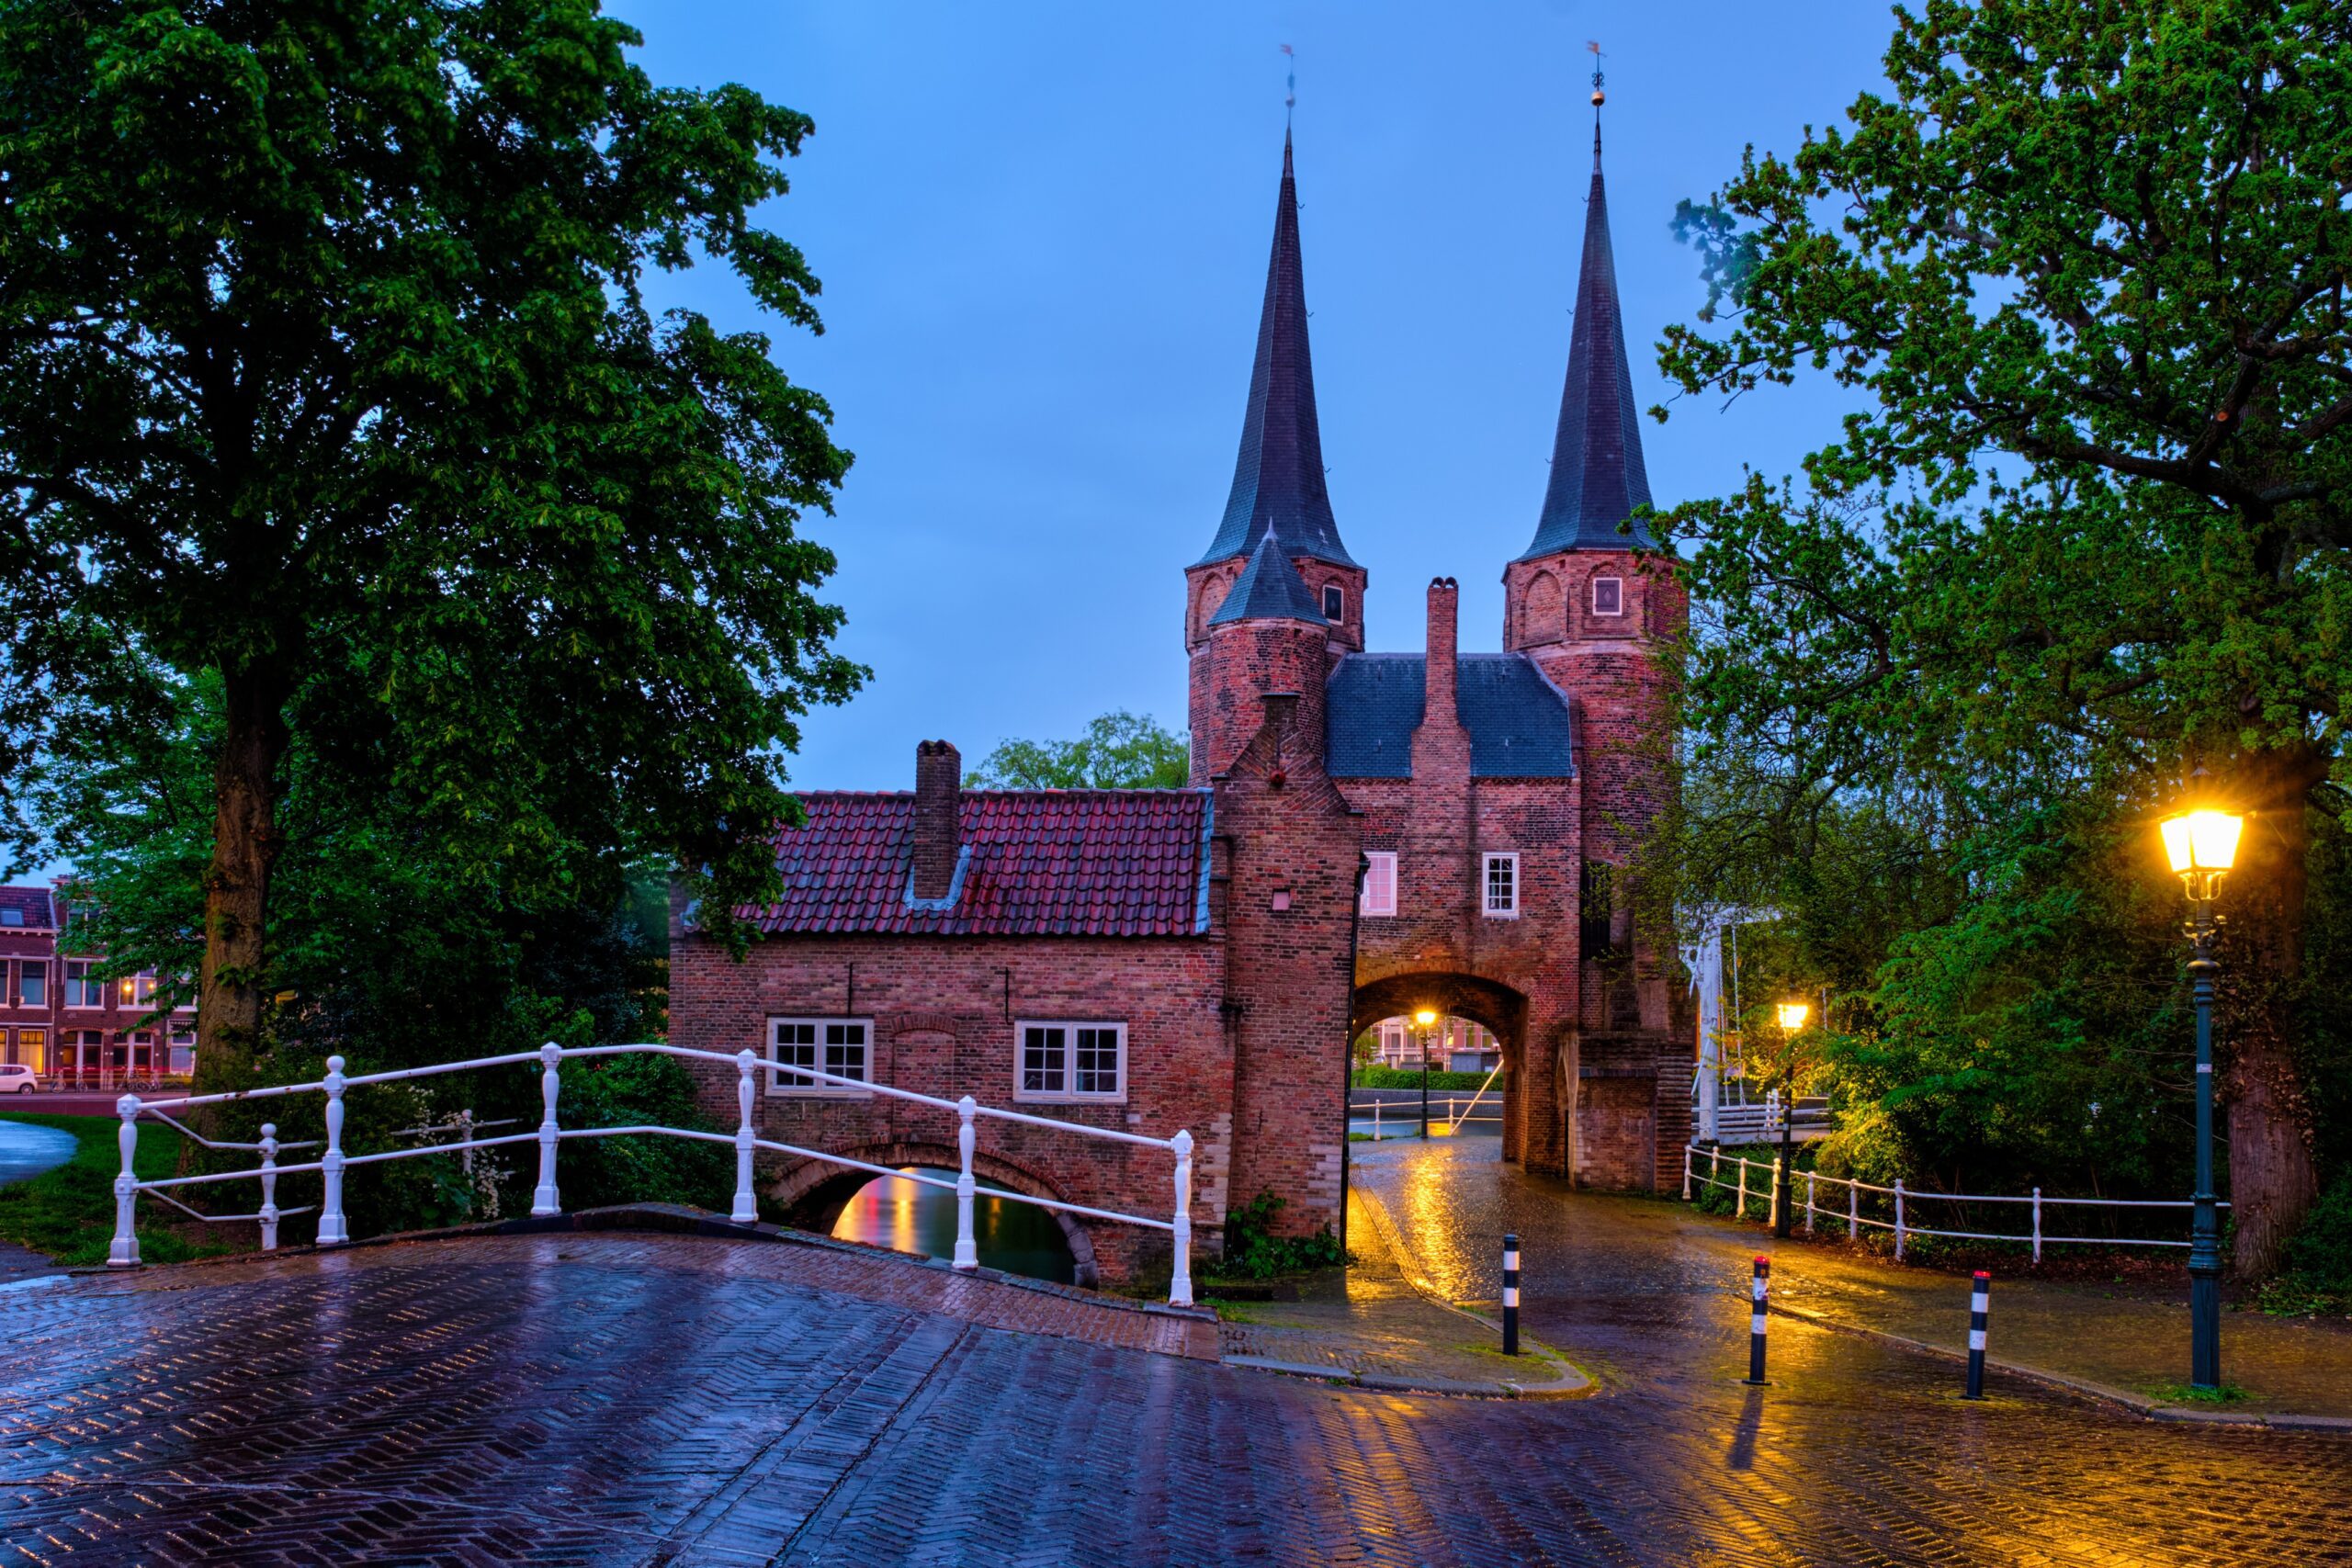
[1445,601]
[939,787]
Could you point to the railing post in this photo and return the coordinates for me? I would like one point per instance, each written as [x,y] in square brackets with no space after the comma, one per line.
[746,1210]
[1716,1166]
[333,1232]
[2037,1224]
[1375,1120]
[968,1246]
[123,1252]
[466,1136]
[1773,1204]
[1686,1173]
[1898,1219]
[1742,1212]
[1853,1209]
[1808,1202]
[269,1187]
[544,1200]
[1180,1283]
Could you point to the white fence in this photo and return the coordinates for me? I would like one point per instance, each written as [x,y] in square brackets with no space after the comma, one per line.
[1900,1197]
[545,1200]
[1402,1118]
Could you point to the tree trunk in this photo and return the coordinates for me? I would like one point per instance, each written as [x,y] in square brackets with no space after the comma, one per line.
[2273,1181]
[236,885]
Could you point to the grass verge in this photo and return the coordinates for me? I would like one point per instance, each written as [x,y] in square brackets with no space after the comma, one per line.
[68,1212]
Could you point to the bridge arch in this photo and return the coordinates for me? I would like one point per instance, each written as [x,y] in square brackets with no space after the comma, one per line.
[813,1193]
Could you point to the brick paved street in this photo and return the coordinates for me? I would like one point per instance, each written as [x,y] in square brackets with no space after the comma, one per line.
[590,1398]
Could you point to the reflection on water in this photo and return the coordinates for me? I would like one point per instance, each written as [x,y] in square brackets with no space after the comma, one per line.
[906,1217]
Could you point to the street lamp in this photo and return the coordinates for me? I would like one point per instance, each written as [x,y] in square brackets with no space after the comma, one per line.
[1426,1018]
[1792,1016]
[2202,844]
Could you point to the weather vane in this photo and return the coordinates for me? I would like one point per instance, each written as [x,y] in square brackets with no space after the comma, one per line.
[1598,97]
[1290,86]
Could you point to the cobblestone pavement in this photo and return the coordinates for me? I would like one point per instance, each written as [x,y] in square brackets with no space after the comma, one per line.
[1457,1199]
[690,1401]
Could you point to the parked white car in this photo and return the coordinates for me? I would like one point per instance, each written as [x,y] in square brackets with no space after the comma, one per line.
[16,1079]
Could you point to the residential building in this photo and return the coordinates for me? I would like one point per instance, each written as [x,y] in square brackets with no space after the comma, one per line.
[63,1019]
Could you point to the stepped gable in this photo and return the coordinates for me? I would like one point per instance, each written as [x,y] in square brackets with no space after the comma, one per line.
[1102,862]
[1520,724]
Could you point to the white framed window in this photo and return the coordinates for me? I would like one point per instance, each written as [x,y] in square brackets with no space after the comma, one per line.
[1392,1041]
[1379,883]
[1335,603]
[183,1051]
[1069,1061]
[836,1045]
[32,985]
[138,989]
[83,986]
[1501,884]
[1607,596]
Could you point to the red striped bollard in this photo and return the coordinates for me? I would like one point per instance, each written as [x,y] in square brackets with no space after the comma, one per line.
[1760,1292]
[1980,1303]
[1511,1295]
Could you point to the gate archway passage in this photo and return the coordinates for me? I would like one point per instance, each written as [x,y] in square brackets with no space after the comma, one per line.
[1499,1010]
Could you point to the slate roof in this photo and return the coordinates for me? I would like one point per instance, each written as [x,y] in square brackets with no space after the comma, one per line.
[33,905]
[1278,478]
[1598,477]
[1112,863]
[1519,722]
[1268,588]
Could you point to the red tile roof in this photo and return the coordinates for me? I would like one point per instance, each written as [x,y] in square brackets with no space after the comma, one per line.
[1036,863]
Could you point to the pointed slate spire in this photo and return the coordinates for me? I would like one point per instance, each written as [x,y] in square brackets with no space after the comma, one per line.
[1278,479]
[1268,588]
[1597,474]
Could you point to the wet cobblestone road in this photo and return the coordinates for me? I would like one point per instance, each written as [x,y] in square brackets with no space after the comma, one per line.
[675,1400]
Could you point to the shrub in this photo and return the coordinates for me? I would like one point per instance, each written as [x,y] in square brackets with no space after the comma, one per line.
[1253,1252]
[1410,1078]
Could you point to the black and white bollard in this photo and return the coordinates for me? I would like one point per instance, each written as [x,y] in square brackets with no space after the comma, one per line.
[1980,1302]
[1760,1292]
[1511,1295]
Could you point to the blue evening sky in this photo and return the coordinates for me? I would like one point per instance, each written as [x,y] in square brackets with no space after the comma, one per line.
[1043,232]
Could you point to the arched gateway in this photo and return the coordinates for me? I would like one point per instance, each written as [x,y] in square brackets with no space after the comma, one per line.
[1365,834]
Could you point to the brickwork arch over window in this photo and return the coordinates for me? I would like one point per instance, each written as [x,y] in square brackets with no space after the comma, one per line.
[1540,613]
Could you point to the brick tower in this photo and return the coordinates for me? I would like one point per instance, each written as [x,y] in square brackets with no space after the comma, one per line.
[1276,595]
[1591,612]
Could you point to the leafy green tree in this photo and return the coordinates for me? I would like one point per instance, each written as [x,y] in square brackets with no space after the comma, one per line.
[2083,271]
[330,390]
[1119,750]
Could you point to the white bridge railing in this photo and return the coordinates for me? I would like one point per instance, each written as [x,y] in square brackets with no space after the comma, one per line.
[544,1198]
[1903,1227]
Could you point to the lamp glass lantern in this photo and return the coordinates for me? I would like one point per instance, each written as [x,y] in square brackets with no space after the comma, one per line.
[1793,1014]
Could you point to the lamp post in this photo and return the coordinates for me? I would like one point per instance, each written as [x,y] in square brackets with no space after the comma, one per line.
[2202,844]
[1792,1016]
[1425,1020]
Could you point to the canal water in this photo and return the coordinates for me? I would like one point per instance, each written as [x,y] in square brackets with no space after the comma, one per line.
[906,1217]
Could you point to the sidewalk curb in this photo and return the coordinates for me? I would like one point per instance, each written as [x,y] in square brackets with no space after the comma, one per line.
[2137,1404]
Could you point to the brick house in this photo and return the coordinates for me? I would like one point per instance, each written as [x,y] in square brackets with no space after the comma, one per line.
[1366,834]
[60,1018]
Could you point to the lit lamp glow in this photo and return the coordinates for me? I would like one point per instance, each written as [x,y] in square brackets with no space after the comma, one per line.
[2201,845]
[1793,1015]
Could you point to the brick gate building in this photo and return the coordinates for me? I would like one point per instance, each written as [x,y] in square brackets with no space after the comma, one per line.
[1365,834]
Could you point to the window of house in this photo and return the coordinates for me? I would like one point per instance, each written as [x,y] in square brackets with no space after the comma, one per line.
[33,1049]
[1335,603]
[32,986]
[183,1052]
[1502,885]
[1379,882]
[836,1045]
[139,988]
[83,986]
[1072,1061]
[1596,922]
[12,915]
[1392,1041]
[1607,596]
